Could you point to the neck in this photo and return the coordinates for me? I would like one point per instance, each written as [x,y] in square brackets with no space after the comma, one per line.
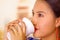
[50,37]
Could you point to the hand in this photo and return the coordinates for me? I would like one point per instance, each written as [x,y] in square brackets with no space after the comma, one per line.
[17,30]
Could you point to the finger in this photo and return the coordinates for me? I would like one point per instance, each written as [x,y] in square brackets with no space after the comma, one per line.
[20,30]
[11,34]
[22,35]
[13,30]
[9,25]
[22,24]
[13,23]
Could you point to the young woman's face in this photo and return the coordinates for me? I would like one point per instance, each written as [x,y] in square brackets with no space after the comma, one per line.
[44,19]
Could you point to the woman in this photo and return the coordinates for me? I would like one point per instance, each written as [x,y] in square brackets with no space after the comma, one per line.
[46,19]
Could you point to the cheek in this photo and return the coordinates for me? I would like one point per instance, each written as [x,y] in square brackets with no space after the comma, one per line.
[46,26]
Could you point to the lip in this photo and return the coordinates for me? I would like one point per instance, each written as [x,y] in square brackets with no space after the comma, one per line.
[36,29]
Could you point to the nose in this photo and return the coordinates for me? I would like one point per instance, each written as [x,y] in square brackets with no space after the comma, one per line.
[34,21]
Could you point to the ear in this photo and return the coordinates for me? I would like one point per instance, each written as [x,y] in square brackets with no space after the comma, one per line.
[58,22]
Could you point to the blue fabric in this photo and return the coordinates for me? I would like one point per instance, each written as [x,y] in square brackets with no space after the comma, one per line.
[30,38]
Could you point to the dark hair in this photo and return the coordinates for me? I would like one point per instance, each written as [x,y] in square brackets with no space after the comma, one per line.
[55,5]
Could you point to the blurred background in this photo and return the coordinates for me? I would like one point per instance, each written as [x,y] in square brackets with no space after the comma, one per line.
[12,9]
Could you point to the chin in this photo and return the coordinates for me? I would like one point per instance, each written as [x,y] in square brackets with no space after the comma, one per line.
[38,35]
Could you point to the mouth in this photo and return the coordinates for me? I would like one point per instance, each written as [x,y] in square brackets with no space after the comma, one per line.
[36,29]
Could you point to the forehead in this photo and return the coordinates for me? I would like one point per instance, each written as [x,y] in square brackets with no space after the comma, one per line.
[41,5]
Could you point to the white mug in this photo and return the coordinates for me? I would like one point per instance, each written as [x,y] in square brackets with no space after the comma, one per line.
[29,26]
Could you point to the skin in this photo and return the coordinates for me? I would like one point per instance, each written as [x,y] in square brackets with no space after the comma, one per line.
[44,20]
[16,31]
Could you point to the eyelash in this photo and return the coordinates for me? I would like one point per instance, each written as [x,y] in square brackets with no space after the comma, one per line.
[33,13]
[40,15]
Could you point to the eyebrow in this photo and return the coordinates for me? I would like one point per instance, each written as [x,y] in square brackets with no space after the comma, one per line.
[39,12]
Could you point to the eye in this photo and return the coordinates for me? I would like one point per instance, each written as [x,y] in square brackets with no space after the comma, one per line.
[40,15]
[33,13]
